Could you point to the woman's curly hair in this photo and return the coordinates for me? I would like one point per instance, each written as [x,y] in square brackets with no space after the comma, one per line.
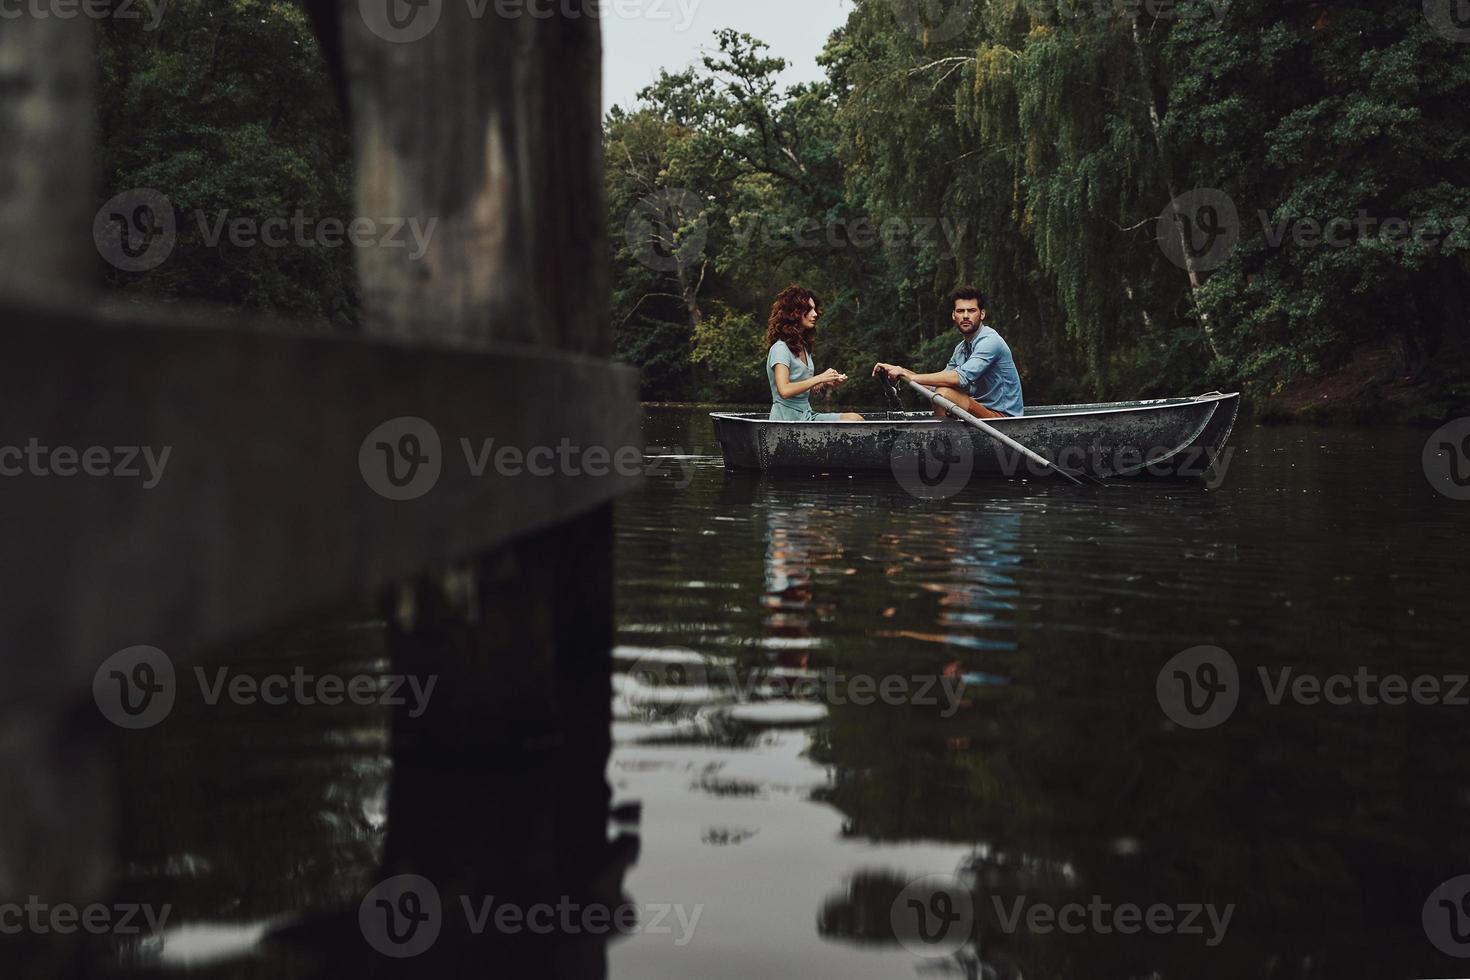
[787,312]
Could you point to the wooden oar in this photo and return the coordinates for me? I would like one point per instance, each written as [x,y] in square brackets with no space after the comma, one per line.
[995,433]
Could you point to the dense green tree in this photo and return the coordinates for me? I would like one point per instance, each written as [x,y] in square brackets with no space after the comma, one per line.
[1081,159]
[1141,188]
[224,107]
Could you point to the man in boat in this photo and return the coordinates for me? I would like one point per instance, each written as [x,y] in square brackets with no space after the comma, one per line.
[981,375]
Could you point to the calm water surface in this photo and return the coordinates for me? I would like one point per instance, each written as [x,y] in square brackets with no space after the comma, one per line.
[1022,753]
[792,818]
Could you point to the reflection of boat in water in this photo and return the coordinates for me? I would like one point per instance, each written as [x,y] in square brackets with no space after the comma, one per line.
[1171,438]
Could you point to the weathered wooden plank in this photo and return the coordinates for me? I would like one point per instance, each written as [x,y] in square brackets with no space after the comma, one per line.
[56,825]
[491,125]
[261,509]
[45,209]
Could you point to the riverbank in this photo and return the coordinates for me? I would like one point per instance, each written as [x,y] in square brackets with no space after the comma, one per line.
[1372,387]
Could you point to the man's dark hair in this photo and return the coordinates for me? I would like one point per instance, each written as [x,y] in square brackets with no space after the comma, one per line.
[967,292]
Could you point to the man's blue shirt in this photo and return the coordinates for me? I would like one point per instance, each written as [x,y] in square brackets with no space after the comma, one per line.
[988,372]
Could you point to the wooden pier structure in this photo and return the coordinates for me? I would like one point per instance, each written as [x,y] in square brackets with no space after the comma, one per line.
[501,587]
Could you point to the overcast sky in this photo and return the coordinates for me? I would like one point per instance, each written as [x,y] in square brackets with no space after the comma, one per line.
[640,37]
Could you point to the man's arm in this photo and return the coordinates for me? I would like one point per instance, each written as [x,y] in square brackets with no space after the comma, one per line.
[950,379]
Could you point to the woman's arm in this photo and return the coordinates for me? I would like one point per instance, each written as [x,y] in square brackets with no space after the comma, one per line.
[787,388]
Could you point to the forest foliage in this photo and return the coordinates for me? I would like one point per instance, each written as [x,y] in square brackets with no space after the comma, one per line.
[1158,197]
[1224,192]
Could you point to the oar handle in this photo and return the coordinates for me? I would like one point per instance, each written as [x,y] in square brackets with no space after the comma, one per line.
[989,430]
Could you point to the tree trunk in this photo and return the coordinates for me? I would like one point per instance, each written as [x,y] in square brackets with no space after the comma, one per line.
[1155,117]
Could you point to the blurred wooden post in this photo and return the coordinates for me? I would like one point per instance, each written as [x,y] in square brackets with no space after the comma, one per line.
[57,816]
[502,586]
[491,127]
[46,180]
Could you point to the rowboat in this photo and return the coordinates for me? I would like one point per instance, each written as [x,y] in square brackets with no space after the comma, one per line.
[1169,438]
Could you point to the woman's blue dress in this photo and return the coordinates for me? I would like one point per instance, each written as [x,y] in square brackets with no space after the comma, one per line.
[797,409]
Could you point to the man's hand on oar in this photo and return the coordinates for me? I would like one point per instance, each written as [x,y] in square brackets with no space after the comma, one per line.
[890,371]
[999,436]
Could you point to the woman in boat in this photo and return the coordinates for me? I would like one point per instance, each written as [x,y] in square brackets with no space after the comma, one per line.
[789,366]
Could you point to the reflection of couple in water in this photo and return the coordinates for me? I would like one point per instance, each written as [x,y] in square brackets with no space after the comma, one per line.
[980,378]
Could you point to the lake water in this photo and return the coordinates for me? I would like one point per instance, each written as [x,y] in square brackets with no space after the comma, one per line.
[796,817]
[875,736]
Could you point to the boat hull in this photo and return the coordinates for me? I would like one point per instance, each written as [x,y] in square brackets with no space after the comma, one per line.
[1176,438]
